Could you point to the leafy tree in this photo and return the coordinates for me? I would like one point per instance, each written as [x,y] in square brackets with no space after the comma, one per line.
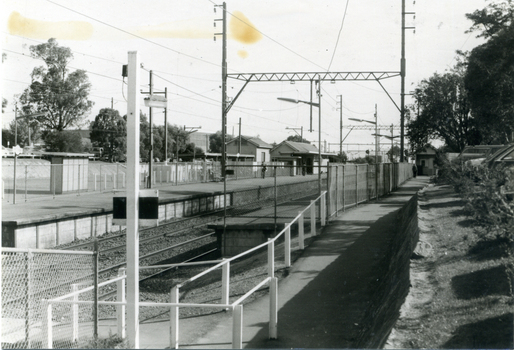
[442,112]
[394,153]
[60,94]
[297,138]
[489,81]
[492,19]
[7,138]
[215,142]
[63,141]
[109,130]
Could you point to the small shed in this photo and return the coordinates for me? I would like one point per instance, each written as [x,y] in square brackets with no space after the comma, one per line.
[303,156]
[425,161]
[69,171]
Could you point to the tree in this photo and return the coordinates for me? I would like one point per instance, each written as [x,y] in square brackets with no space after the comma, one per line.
[215,142]
[61,95]
[109,131]
[297,138]
[442,112]
[7,138]
[490,73]
[394,153]
[63,141]
[492,19]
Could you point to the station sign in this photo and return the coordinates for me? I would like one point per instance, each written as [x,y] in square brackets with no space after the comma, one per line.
[148,208]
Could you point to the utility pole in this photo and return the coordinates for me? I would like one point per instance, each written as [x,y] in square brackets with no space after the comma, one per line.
[402,74]
[133,97]
[239,147]
[340,124]
[166,129]
[402,92]
[112,103]
[151,137]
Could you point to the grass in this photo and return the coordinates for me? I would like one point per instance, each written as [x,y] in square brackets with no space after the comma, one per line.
[464,298]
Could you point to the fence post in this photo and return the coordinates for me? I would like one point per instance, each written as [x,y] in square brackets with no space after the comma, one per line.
[100,177]
[337,192]
[237,327]
[105,183]
[313,218]
[344,193]
[273,308]
[287,247]
[225,283]
[275,196]
[79,180]
[174,311]
[26,175]
[47,325]
[357,184]
[95,289]
[271,258]
[323,204]
[120,309]
[27,305]
[75,314]
[301,231]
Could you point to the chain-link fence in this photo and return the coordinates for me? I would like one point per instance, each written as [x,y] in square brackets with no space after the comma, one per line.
[268,186]
[32,276]
[351,184]
[33,178]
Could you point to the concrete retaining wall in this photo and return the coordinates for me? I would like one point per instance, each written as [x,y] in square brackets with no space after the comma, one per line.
[47,233]
[392,289]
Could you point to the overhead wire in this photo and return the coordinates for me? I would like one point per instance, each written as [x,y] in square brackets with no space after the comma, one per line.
[134,35]
[338,35]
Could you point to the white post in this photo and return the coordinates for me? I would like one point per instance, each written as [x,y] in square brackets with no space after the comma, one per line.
[301,232]
[273,308]
[133,102]
[225,283]
[123,176]
[47,325]
[95,182]
[174,299]
[313,218]
[75,314]
[105,182]
[323,204]
[271,258]
[120,309]
[237,327]
[287,247]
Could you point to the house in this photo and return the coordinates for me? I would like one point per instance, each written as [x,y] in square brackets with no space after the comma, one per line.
[425,161]
[201,140]
[303,156]
[247,147]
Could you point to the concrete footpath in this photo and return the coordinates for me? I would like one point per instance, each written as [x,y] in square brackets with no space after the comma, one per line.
[323,300]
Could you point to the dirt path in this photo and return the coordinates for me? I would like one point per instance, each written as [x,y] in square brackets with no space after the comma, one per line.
[459,298]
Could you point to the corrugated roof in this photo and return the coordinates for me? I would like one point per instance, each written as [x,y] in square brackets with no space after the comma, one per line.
[254,140]
[300,147]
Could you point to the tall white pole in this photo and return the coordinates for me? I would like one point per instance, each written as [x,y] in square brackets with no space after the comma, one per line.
[133,101]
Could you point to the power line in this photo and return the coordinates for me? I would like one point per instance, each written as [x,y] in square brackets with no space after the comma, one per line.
[132,34]
[338,35]
[37,58]
[77,52]
[267,36]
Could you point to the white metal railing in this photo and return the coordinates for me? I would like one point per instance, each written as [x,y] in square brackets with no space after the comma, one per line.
[174,305]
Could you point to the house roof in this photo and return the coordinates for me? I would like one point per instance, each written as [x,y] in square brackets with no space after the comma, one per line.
[253,140]
[298,147]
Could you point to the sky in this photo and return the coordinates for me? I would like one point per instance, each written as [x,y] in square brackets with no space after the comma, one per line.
[175,40]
